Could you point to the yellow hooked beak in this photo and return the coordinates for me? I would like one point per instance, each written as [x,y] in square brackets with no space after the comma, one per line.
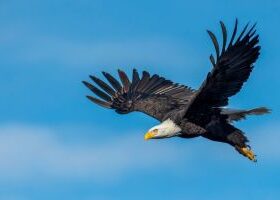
[149,135]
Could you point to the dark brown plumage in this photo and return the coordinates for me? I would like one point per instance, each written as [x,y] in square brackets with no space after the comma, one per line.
[153,95]
[196,112]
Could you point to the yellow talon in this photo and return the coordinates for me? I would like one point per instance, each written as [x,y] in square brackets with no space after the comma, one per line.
[248,153]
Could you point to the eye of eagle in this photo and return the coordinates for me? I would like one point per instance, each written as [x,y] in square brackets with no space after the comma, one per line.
[155,130]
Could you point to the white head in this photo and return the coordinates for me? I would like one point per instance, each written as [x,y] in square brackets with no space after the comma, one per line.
[164,130]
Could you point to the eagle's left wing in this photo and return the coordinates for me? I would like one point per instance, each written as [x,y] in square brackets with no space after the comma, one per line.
[231,69]
[152,95]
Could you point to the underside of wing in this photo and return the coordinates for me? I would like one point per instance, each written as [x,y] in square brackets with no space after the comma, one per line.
[231,68]
[153,95]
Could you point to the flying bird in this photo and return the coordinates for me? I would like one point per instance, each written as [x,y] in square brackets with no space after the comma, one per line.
[185,112]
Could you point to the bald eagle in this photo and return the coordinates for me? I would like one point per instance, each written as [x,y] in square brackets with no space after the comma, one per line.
[185,112]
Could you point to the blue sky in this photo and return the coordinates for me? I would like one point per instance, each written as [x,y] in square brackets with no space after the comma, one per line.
[55,144]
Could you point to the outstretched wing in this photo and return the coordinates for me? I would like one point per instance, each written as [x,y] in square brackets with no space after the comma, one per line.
[153,95]
[231,69]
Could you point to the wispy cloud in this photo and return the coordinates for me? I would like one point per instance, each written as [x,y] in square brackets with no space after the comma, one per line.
[27,151]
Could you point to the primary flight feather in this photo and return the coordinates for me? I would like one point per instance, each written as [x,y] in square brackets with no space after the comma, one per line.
[183,111]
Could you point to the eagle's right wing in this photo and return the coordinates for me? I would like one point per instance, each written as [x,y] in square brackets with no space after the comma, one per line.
[152,95]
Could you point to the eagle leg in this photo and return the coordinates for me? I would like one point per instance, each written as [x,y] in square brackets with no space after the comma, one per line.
[247,152]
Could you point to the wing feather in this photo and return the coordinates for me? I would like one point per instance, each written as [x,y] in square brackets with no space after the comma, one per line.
[116,85]
[234,33]
[98,92]
[224,30]
[103,85]
[215,42]
[99,102]
[124,79]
